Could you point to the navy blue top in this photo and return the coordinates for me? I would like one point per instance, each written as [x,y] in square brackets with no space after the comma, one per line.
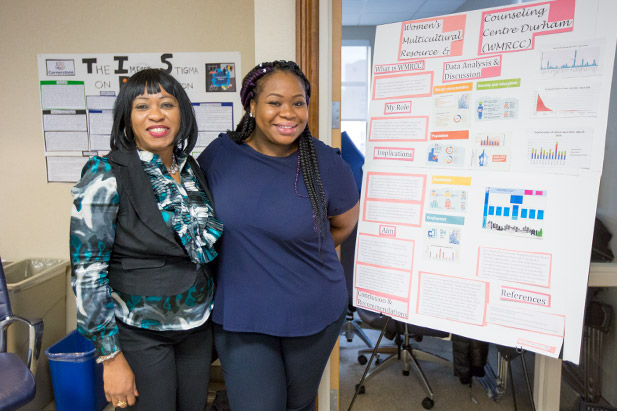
[271,278]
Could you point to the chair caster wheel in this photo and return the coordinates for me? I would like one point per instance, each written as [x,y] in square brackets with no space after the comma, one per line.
[362,389]
[406,373]
[427,403]
[362,359]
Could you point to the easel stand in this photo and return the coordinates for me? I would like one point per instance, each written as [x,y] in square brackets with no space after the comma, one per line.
[360,385]
[495,386]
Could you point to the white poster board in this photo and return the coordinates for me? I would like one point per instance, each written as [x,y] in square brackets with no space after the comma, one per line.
[483,161]
[78,92]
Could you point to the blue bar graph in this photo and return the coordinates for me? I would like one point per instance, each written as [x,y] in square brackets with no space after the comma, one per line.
[515,211]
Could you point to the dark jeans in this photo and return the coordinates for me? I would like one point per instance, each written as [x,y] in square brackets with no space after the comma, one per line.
[268,373]
[172,368]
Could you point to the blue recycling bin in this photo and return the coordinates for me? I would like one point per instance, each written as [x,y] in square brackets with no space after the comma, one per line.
[76,378]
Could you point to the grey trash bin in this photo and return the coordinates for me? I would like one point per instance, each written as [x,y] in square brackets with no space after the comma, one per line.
[37,289]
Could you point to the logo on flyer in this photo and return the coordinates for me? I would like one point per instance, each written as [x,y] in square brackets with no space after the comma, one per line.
[220,77]
[60,67]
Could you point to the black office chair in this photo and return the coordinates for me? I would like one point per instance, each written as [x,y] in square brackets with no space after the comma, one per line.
[403,353]
[17,386]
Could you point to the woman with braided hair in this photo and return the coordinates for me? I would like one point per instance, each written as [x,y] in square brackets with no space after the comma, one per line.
[286,200]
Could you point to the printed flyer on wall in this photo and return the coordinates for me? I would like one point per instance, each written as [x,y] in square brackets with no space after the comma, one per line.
[78,92]
[483,162]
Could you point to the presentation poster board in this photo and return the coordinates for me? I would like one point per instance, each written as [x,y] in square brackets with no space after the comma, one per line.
[78,92]
[483,162]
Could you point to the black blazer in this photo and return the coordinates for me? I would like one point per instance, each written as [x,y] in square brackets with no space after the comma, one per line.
[148,258]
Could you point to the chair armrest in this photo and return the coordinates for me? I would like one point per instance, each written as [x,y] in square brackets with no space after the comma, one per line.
[35,338]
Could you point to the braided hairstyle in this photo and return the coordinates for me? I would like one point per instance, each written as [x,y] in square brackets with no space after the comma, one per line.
[307,159]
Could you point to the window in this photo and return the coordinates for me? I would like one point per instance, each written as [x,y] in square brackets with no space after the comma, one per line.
[355,85]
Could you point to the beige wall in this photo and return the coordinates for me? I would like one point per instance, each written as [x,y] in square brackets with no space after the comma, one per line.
[34,214]
[275,31]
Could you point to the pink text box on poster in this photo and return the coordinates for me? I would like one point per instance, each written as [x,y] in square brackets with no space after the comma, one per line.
[392,307]
[388,274]
[519,295]
[515,28]
[407,85]
[403,128]
[523,267]
[521,342]
[394,153]
[387,230]
[526,320]
[484,67]
[397,107]
[449,295]
[432,37]
[394,192]
[402,67]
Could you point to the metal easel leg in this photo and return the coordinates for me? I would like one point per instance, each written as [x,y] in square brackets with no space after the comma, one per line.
[368,366]
[509,365]
[529,390]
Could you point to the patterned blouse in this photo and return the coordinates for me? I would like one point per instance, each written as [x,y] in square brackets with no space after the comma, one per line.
[186,211]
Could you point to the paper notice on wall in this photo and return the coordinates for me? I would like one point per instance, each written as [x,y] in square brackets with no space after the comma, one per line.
[78,93]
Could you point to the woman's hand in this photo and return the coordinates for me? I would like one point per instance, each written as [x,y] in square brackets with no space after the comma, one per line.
[119,382]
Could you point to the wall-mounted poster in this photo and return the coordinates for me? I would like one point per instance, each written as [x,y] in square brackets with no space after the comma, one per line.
[78,92]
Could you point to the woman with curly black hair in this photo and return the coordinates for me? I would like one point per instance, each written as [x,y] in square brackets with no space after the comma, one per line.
[286,200]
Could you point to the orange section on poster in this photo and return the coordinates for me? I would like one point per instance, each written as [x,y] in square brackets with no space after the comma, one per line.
[452,88]
[450,135]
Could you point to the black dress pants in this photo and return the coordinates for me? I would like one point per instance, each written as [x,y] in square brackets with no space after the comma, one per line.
[172,368]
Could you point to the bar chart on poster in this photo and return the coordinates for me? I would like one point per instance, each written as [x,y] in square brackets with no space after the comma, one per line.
[484,155]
